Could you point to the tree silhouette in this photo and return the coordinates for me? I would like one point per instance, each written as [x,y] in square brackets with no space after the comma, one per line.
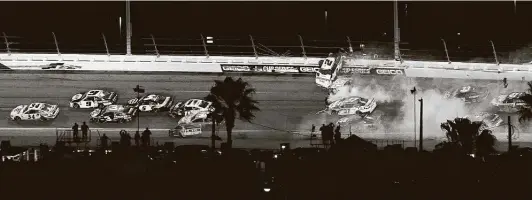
[525,112]
[232,99]
[468,137]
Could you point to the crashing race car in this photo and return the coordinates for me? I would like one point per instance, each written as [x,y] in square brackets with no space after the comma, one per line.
[360,121]
[351,105]
[114,113]
[181,109]
[490,120]
[34,111]
[468,94]
[509,103]
[340,82]
[195,116]
[152,103]
[93,99]
[185,130]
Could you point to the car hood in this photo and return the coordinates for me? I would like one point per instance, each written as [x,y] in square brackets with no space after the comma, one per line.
[76,97]
[18,110]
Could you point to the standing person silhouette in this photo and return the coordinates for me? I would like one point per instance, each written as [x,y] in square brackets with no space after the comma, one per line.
[75,131]
[84,131]
[146,137]
[137,139]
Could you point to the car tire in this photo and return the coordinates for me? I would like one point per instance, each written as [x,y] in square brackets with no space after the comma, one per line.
[155,110]
[43,119]
[17,118]
[76,105]
[100,106]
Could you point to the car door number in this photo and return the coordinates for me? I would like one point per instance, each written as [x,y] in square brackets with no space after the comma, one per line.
[88,103]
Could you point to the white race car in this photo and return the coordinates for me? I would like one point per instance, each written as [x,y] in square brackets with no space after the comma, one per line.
[490,120]
[509,103]
[182,109]
[352,105]
[34,111]
[152,103]
[93,99]
[195,116]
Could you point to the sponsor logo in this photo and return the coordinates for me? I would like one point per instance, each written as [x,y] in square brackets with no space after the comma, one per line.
[389,71]
[356,70]
[270,68]
[308,69]
[236,68]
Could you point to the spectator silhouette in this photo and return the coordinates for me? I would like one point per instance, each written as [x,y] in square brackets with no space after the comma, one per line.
[104,141]
[146,137]
[337,134]
[312,130]
[323,129]
[75,132]
[137,139]
[125,138]
[330,133]
[84,131]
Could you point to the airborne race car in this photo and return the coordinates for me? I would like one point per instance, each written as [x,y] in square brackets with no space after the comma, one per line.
[351,105]
[93,99]
[34,111]
[509,103]
[468,94]
[182,109]
[152,103]
[490,120]
[114,113]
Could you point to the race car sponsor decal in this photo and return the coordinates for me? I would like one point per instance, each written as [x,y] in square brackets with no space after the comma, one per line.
[389,71]
[269,68]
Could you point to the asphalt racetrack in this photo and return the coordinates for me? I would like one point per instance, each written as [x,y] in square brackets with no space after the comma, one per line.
[288,105]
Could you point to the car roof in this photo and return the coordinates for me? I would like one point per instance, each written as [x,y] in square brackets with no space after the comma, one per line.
[194,102]
[36,106]
[94,93]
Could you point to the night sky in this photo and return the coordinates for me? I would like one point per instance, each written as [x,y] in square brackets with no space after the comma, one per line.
[177,26]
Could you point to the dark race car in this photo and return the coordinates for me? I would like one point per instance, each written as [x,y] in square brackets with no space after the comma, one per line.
[114,113]
[468,94]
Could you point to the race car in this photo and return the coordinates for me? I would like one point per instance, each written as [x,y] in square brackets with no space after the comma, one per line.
[185,130]
[152,103]
[468,94]
[195,116]
[114,113]
[181,109]
[340,82]
[363,121]
[34,111]
[351,105]
[93,99]
[490,120]
[509,103]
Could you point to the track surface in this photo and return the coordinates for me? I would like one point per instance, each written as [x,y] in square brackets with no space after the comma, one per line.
[287,103]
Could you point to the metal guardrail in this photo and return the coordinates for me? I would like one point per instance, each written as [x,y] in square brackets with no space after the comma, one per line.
[81,58]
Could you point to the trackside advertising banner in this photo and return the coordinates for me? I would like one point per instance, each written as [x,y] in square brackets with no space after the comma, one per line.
[268,68]
[372,71]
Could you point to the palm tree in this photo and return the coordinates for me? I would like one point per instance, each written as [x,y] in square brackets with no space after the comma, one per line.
[469,136]
[232,99]
[525,112]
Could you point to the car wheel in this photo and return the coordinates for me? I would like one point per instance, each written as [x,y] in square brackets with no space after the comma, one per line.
[100,106]
[43,119]
[17,119]
[76,105]
[155,110]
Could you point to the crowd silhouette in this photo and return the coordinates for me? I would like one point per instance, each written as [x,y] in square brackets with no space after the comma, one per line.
[350,168]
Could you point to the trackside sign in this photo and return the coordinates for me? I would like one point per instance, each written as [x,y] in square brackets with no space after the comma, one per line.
[268,68]
[372,71]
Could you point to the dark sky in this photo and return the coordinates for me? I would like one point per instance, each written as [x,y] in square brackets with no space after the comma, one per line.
[80,24]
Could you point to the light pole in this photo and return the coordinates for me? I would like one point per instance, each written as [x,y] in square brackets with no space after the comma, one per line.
[138,90]
[421,125]
[414,91]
